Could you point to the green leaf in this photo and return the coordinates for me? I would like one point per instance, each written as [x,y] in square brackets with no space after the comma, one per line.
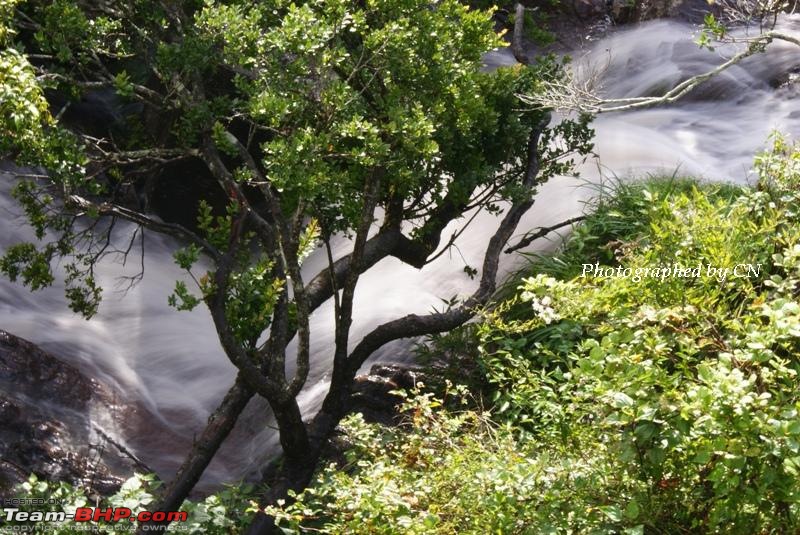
[632,510]
[612,512]
[621,400]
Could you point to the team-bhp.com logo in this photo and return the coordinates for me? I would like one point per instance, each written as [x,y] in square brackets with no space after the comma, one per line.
[93,514]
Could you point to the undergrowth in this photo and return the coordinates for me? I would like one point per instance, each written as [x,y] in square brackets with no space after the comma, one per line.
[657,405]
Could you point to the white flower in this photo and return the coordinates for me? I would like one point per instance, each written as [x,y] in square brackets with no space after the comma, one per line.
[544,310]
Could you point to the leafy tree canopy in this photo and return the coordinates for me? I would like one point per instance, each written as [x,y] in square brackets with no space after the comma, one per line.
[312,118]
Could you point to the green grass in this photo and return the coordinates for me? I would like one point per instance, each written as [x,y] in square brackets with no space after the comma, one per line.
[613,212]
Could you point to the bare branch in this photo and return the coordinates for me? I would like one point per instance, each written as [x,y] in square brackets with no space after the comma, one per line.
[271,388]
[541,232]
[517,47]
[746,12]
[580,95]
[376,248]
[213,160]
[142,93]
[141,465]
[417,325]
[158,155]
[455,235]
[171,229]
[344,308]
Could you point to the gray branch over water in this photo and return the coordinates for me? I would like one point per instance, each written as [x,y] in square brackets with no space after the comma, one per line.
[542,232]
[580,96]
[171,229]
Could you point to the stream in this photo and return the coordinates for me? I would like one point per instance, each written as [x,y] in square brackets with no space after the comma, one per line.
[170,365]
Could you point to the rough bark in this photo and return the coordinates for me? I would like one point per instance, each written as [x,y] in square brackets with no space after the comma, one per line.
[517,47]
[293,434]
[297,475]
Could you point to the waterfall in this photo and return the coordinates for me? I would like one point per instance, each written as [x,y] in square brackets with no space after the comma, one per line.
[170,363]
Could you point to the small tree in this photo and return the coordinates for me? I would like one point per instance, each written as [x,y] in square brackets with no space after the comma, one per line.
[314,118]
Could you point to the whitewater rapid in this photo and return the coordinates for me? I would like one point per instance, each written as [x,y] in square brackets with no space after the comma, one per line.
[171,364]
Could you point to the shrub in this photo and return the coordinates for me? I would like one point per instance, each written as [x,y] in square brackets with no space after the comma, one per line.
[663,405]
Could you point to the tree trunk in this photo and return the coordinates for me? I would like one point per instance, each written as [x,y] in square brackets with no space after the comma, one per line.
[293,476]
[300,455]
[220,424]
[334,407]
[297,471]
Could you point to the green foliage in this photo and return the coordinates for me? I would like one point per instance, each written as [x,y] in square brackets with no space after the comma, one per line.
[438,473]
[123,84]
[135,493]
[333,138]
[27,130]
[23,260]
[407,98]
[253,289]
[6,16]
[712,31]
[224,512]
[217,229]
[70,35]
[779,170]
[688,383]
[181,298]
[662,405]
[456,472]
[301,112]
[29,134]
[23,108]
[612,223]
[186,257]
[309,239]
[251,297]
[325,97]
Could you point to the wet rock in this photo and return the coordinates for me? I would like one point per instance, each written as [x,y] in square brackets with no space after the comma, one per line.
[372,393]
[585,9]
[50,416]
[624,12]
[578,23]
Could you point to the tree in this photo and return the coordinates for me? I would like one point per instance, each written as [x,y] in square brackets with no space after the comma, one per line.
[365,118]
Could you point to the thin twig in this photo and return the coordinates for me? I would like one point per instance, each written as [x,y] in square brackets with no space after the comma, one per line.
[543,231]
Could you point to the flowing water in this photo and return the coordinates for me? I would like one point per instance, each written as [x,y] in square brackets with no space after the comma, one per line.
[170,363]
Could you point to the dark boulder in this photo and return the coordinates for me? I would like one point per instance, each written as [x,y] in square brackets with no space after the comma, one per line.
[50,422]
[372,393]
